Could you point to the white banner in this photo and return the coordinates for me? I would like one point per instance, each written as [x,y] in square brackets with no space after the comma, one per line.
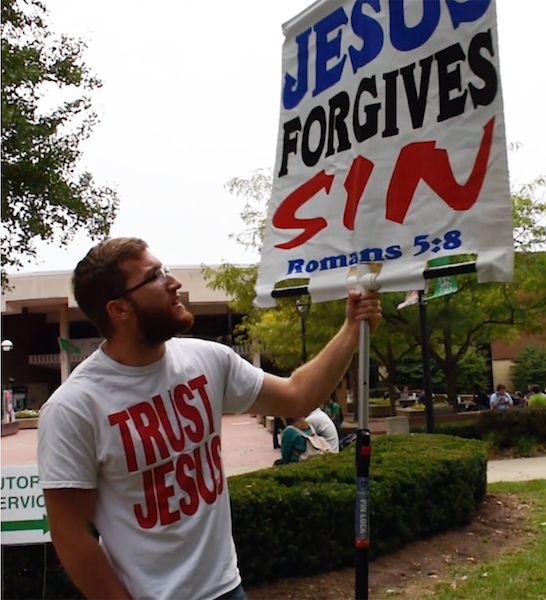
[391,146]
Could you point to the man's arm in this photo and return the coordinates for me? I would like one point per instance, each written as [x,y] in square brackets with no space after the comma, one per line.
[70,512]
[311,384]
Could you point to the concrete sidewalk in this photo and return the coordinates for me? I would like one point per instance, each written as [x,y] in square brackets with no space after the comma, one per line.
[516,469]
[248,446]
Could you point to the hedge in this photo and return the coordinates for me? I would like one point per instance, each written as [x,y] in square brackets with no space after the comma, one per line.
[521,429]
[296,520]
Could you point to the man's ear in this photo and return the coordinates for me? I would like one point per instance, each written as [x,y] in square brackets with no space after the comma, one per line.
[119,310]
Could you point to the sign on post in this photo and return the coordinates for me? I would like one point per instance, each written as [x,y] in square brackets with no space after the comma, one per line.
[24,519]
[391,146]
[441,286]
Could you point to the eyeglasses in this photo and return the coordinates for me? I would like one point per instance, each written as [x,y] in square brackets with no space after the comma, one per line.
[160,274]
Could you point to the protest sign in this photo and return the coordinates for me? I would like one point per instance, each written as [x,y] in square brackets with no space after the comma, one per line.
[391,146]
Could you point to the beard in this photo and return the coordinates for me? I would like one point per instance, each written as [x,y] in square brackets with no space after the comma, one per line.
[157,326]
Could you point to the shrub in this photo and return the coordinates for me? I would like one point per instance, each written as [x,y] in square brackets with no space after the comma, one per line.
[526,446]
[503,428]
[299,519]
[27,414]
[464,429]
[521,430]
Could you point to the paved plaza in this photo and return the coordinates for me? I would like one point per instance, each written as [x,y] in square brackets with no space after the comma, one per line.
[248,446]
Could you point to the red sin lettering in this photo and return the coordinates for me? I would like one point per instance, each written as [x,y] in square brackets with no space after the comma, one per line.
[422,160]
[149,431]
[199,384]
[120,419]
[216,451]
[285,215]
[209,496]
[356,181]
[176,443]
[187,484]
[190,412]
[164,492]
[150,519]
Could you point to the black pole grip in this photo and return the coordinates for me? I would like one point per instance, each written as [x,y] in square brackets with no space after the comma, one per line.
[362,513]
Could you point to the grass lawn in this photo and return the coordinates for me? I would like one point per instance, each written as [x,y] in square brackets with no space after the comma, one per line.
[519,575]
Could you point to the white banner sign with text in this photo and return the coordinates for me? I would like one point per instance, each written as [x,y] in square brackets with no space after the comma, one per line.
[391,146]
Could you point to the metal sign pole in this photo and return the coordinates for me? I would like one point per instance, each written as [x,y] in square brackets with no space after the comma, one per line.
[425,357]
[433,273]
[363,456]
[363,278]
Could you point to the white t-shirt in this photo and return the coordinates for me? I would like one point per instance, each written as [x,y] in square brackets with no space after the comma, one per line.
[148,439]
[504,400]
[324,426]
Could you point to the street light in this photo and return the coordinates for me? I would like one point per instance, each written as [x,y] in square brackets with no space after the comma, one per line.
[302,307]
[7,345]
[7,394]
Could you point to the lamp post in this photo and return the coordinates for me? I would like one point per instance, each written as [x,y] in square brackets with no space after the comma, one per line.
[302,307]
[7,394]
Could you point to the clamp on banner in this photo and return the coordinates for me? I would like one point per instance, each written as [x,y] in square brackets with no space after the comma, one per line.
[364,277]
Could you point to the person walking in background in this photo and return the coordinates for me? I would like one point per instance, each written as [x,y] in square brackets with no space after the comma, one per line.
[501,399]
[537,398]
[325,427]
[131,441]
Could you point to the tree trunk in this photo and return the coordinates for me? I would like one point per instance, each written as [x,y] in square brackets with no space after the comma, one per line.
[450,374]
[391,384]
[391,369]
[450,370]
[392,398]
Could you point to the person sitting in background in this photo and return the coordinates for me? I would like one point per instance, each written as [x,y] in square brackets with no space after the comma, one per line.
[294,441]
[501,399]
[537,398]
[325,427]
[333,410]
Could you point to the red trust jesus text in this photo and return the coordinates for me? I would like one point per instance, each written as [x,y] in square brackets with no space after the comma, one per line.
[417,161]
[188,436]
[190,477]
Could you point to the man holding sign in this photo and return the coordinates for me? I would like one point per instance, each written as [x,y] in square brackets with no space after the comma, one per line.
[131,441]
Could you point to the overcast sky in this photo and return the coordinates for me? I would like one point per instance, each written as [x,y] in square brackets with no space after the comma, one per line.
[191,98]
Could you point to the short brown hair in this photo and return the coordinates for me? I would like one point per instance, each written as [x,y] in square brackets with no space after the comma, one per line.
[98,277]
[535,388]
